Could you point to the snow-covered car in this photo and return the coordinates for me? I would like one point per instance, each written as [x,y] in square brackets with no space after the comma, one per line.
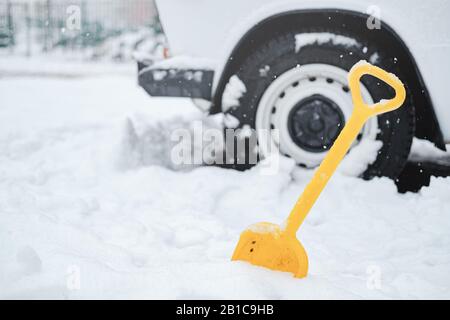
[283,65]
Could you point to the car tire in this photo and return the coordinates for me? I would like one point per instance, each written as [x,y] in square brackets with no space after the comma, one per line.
[325,57]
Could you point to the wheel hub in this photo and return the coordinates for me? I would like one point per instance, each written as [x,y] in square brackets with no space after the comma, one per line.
[305,109]
[315,122]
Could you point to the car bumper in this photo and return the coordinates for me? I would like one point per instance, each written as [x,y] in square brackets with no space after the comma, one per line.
[193,83]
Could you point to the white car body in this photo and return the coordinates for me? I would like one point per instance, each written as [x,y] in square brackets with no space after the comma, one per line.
[210,30]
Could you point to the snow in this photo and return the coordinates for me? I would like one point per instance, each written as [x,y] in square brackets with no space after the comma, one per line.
[424,150]
[233,91]
[162,68]
[263,228]
[263,72]
[185,62]
[231,121]
[358,159]
[159,75]
[305,39]
[245,132]
[76,223]
[374,58]
[60,66]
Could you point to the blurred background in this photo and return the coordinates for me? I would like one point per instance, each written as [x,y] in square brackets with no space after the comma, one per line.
[80,29]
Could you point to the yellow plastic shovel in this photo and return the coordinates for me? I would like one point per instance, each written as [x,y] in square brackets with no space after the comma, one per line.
[276,247]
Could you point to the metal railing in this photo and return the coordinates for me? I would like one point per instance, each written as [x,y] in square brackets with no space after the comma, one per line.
[28,27]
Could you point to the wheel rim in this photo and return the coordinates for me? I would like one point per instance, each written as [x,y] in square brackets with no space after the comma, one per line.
[308,105]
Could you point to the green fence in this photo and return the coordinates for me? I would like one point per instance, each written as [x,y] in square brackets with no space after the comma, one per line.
[29,27]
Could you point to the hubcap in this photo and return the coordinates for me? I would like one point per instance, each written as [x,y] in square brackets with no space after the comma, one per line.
[315,122]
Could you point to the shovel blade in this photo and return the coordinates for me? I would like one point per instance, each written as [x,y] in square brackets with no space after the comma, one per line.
[266,245]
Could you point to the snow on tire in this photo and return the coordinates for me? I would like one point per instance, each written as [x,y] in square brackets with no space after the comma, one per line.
[297,83]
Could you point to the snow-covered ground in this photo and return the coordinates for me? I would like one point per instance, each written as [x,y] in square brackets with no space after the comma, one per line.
[78,221]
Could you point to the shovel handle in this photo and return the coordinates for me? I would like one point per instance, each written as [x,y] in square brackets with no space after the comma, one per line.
[361,113]
[364,68]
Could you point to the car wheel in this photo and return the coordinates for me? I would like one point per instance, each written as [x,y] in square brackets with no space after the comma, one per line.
[295,85]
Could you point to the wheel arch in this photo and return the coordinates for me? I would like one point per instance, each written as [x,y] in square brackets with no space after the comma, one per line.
[351,23]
